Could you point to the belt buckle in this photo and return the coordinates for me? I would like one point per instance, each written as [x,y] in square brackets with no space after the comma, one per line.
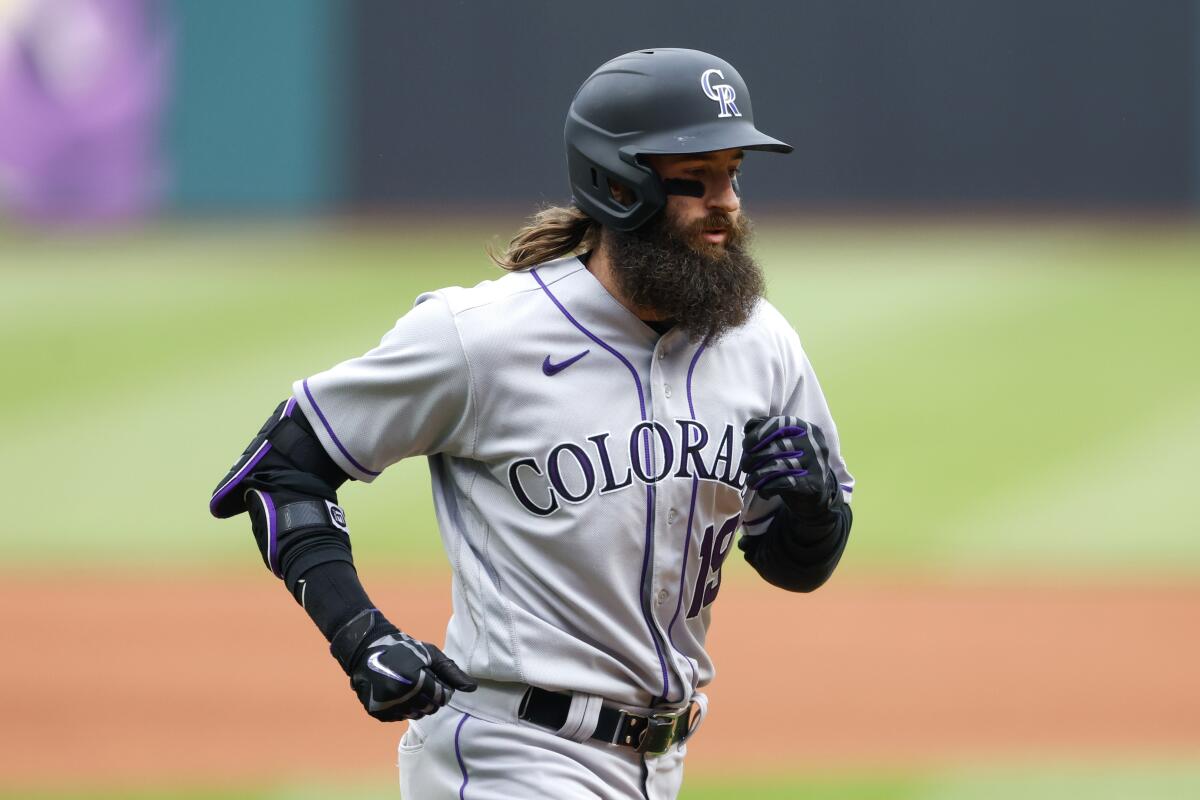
[659,734]
[656,737]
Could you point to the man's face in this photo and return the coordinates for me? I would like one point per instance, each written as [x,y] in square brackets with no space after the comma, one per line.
[707,222]
[690,263]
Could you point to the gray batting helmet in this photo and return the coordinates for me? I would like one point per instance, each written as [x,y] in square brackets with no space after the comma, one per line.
[660,101]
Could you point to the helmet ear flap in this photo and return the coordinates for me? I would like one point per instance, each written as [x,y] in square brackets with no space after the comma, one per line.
[639,195]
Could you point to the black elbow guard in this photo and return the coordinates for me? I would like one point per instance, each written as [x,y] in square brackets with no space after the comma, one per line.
[284,454]
[295,532]
[288,483]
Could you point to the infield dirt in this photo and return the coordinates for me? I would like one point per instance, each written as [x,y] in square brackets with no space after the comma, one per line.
[192,678]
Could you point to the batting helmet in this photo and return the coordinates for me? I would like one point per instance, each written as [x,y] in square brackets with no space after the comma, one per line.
[662,101]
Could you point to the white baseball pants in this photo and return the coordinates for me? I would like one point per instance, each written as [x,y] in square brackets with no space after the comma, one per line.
[477,749]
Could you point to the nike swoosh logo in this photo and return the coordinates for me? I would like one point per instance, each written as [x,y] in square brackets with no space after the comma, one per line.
[374,663]
[554,369]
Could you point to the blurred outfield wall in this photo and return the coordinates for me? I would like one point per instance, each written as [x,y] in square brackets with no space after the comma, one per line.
[291,105]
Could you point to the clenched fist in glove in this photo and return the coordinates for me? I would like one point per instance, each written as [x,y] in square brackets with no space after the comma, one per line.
[788,457]
[395,676]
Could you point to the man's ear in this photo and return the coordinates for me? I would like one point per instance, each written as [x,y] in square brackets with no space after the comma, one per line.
[621,193]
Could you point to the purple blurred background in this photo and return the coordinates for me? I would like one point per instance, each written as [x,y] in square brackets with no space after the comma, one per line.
[82,91]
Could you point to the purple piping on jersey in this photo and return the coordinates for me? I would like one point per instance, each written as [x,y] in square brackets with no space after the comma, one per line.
[784,473]
[687,534]
[789,430]
[751,522]
[332,435]
[691,371]
[637,381]
[462,790]
[687,541]
[847,489]
[262,450]
[662,661]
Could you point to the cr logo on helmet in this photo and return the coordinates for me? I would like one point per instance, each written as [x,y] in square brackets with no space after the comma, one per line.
[722,93]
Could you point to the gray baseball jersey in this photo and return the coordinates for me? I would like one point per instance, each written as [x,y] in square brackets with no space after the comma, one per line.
[585,470]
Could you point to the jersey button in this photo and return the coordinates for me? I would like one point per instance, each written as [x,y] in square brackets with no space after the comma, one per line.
[661,597]
[667,389]
[671,516]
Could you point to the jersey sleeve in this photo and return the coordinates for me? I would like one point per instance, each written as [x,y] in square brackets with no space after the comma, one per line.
[801,396]
[408,396]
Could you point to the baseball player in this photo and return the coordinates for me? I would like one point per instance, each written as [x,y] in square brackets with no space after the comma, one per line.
[599,422]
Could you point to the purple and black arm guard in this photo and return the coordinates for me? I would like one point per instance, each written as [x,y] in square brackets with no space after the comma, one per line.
[285,453]
[288,484]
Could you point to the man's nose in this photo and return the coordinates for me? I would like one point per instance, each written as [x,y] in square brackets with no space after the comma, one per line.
[722,197]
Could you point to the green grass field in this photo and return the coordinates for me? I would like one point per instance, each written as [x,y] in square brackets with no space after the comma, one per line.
[1009,397]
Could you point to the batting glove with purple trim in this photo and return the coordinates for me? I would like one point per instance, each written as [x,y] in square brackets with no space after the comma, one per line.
[788,457]
[395,676]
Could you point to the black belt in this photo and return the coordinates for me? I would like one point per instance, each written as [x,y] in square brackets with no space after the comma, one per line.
[652,735]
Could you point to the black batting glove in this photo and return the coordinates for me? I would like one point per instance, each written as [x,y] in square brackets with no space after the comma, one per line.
[395,676]
[787,457]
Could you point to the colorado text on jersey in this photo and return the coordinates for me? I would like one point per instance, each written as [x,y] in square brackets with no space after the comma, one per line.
[572,473]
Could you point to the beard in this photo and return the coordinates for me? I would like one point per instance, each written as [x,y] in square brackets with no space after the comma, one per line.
[706,289]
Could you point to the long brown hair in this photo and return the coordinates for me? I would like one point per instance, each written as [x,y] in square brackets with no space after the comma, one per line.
[552,233]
